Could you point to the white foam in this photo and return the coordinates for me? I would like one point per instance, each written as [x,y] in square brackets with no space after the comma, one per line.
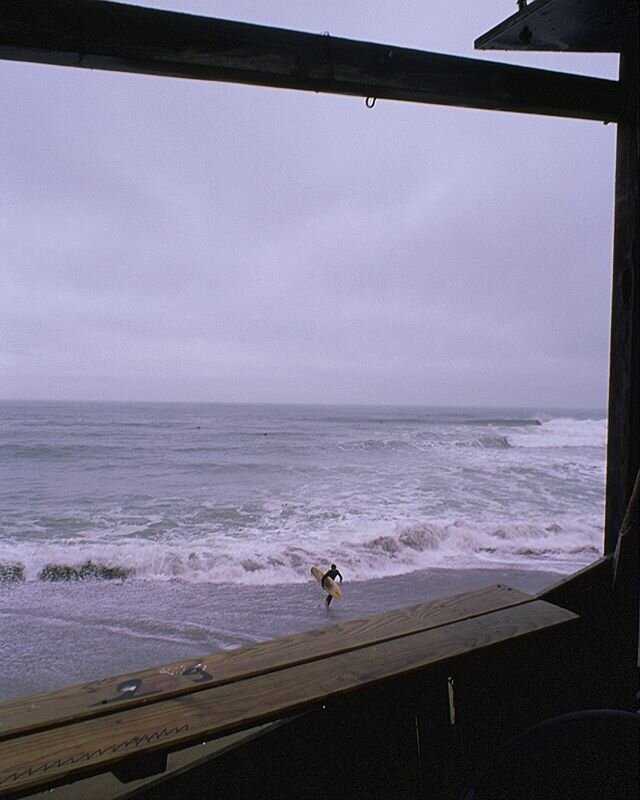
[389,549]
[561,432]
[382,493]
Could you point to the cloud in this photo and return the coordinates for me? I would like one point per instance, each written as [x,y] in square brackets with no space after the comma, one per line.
[168,239]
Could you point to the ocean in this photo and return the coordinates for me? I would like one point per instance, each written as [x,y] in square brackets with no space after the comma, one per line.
[141,533]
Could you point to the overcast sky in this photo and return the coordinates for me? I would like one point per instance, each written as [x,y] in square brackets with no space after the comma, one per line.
[164,239]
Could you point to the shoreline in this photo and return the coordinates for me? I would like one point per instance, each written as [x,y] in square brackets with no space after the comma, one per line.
[58,634]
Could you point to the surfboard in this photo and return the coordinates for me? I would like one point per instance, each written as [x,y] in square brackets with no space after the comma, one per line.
[329,585]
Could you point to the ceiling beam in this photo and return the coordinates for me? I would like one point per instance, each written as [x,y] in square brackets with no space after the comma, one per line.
[93,34]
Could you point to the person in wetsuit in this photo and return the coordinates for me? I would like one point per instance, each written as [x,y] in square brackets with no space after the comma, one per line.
[332,573]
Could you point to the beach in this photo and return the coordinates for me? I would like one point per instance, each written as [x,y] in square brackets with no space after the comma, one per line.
[56,635]
[138,534]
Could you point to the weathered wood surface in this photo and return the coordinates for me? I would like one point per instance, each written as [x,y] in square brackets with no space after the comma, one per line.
[50,756]
[115,36]
[115,693]
[106,786]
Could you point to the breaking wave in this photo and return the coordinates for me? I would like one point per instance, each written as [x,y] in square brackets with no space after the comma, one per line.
[255,495]
[405,548]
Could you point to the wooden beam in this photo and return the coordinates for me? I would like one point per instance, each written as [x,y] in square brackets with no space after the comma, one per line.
[102,35]
[577,26]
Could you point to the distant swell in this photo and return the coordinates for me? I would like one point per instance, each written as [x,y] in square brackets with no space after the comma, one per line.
[486,442]
[36,451]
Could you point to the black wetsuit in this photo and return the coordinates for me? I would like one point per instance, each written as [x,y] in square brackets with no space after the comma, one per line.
[333,574]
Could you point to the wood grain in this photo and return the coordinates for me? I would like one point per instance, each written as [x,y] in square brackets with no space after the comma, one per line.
[97,698]
[43,758]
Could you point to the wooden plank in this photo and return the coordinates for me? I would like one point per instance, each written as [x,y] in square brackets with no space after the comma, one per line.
[57,755]
[111,695]
[579,26]
[115,36]
[106,786]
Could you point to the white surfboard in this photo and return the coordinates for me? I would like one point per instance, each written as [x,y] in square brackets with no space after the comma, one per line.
[329,585]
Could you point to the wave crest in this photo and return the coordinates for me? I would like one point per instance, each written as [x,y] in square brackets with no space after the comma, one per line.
[404,548]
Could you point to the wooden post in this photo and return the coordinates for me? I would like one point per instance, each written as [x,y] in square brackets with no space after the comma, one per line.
[623,456]
[623,452]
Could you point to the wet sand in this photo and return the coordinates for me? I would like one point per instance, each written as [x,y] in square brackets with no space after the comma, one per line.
[58,634]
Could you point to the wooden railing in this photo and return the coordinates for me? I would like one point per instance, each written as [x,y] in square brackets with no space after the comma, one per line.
[54,738]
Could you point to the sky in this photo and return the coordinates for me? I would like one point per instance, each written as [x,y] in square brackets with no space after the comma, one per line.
[174,240]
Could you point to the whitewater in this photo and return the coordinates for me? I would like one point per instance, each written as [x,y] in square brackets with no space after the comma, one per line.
[198,512]
[254,494]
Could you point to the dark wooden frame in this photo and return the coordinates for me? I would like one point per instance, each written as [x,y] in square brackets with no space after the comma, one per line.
[94,34]
[604,646]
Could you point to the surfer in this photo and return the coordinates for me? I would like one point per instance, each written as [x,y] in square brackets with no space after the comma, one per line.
[332,573]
